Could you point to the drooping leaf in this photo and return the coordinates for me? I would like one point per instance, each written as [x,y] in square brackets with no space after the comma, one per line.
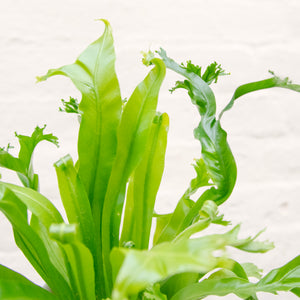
[274,81]
[15,286]
[169,258]
[285,278]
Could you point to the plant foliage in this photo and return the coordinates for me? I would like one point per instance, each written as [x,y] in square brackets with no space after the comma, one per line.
[121,150]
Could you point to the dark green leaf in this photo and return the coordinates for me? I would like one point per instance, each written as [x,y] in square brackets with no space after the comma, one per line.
[219,164]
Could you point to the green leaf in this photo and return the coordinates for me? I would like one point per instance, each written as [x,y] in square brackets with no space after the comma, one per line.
[154,293]
[31,244]
[144,185]
[285,278]
[75,201]
[71,106]
[219,164]
[274,81]
[23,165]
[132,137]
[207,215]
[210,75]
[161,222]
[202,178]
[79,260]
[167,259]
[93,73]
[252,270]
[35,202]
[173,284]
[15,286]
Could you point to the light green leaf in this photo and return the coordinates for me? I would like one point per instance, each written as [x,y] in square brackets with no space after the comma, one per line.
[154,293]
[202,178]
[144,185]
[167,259]
[93,73]
[207,215]
[31,244]
[23,165]
[252,270]
[285,278]
[35,202]
[75,201]
[78,258]
[15,286]
[132,137]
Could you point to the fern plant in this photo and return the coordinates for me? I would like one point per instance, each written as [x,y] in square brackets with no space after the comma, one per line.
[121,149]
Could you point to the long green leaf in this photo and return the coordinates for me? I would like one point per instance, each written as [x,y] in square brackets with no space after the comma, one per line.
[75,200]
[53,249]
[285,278]
[31,244]
[93,73]
[133,133]
[146,181]
[79,260]
[219,164]
[274,81]
[15,286]
[44,214]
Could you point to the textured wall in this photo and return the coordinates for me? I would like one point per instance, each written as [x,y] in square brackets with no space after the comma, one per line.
[246,37]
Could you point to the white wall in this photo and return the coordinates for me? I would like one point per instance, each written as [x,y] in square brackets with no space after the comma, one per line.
[246,37]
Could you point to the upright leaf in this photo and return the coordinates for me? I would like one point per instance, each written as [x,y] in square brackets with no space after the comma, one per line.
[79,260]
[75,200]
[93,73]
[133,133]
[145,183]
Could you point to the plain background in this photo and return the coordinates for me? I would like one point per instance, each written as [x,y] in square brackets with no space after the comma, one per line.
[247,37]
